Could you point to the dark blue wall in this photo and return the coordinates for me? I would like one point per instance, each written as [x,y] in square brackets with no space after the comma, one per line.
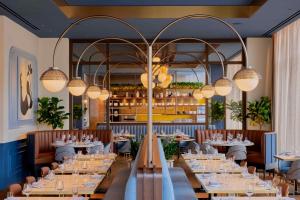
[13,162]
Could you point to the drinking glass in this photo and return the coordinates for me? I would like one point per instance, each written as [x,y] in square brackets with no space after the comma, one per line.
[278,192]
[59,186]
[9,194]
[75,191]
[249,191]
[26,190]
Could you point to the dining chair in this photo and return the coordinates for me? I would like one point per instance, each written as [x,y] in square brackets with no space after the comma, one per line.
[45,171]
[54,165]
[238,151]
[268,178]
[284,189]
[243,163]
[30,179]
[251,170]
[15,189]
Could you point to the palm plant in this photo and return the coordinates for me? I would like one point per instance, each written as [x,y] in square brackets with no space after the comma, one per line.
[259,112]
[236,108]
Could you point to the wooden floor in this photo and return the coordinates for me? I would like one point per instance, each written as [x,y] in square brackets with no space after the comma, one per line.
[122,163]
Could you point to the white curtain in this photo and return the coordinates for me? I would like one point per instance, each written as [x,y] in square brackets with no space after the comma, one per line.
[287,87]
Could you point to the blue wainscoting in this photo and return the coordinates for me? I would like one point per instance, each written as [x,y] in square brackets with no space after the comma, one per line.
[13,162]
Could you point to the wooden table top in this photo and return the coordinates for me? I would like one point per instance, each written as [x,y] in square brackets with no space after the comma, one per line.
[224,143]
[85,166]
[111,156]
[251,198]
[232,184]
[214,166]
[287,157]
[69,181]
[188,156]
[75,145]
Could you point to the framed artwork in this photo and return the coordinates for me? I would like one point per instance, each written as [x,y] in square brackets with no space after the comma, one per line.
[22,88]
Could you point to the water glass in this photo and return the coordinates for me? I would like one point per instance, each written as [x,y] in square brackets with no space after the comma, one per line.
[249,191]
[26,189]
[10,194]
[59,186]
[74,191]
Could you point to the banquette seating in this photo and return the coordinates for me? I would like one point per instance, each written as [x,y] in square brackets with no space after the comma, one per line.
[40,146]
[173,183]
[261,154]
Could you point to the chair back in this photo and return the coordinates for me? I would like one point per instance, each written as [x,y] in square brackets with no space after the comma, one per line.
[284,189]
[251,170]
[15,189]
[243,163]
[45,171]
[30,179]
[54,165]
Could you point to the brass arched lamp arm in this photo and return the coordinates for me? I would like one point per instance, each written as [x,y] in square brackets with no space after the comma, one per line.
[204,16]
[193,56]
[197,39]
[101,40]
[95,17]
[128,55]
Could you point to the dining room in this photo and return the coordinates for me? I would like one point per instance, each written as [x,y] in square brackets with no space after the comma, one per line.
[149,100]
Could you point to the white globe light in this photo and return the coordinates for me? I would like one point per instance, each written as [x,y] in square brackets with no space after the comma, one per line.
[76,87]
[246,79]
[167,82]
[208,91]
[104,94]
[93,92]
[223,86]
[197,94]
[54,80]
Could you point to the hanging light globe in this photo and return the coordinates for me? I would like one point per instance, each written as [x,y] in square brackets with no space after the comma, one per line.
[76,86]
[93,92]
[156,59]
[246,79]
[53,79]
[163,73]
[144,80]
[167,82]
[104,94]
[223,86]
[197,94]
[208,91]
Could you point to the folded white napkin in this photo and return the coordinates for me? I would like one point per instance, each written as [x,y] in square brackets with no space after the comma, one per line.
[36,185]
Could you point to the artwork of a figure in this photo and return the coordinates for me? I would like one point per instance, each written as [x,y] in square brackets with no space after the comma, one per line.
[25,98]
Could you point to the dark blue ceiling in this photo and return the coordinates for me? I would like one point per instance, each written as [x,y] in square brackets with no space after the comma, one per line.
[45,20]
[158,2]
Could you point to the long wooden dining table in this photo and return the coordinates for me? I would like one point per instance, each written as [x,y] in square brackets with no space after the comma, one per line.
[237,184]
[86,185]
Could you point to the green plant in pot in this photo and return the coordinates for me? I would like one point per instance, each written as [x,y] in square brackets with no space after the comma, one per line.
[236,108]
[51,113]
[259,112]
[135,145]
[217,111]
[170,148]
[77,114]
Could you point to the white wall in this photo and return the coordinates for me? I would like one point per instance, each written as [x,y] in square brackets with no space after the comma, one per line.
[12,34]
[260,52]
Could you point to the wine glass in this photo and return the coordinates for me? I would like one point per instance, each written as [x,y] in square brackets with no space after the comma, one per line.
[59,186]
[75,191]
[249,191]
[26,190]
[278,192]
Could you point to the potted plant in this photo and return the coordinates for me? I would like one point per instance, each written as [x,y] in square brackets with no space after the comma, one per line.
[217,113]
[236,108]
[77,115]
[259,112]
[170,149]
[51,113]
